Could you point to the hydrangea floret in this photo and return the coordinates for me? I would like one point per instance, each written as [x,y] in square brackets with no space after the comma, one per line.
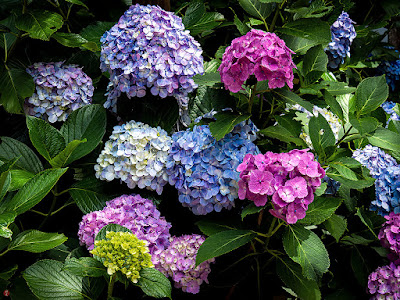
[260,53]
[290,179]
[385,169]
[389,236]
[136,154]
[59,90]
[123,251]
[342,33]
[384,282]
[178,261]
[203,170]
[149,48]
[133,212]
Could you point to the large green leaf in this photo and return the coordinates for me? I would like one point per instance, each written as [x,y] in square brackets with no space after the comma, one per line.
[88,122]
[321,134]
[251,209]
[15,86]
[257,9]
[344,170]
[386,139]
[36,241]
[320,209]
[48,281]
[27,159]
[208,79]
[85,266]
[364,125]
[47,140]
[5,182]
[281,133]
[40,24]
[74,40]
[223,242]
[299,45]
[311,29]
[209,227]
[291,274]
[336,225]
[314,63]
[370,94]
[334,105]
[294,99]
[225,123]
[19,178]
[197,20]
[61,159]
[154,283]
[305,247]
[34,190]
[367,218]
[78,2]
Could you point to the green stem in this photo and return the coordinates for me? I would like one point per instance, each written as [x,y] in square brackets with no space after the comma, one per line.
[4,252]
[276,16]
[261,106]
[53,204]
[111,285]
[39,212]
[253,93]
[344,136]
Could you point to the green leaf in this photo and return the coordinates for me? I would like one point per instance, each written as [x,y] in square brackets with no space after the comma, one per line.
[36,241]
[360,267]
[9,272]
[337,88]
[60,160]
[193,14]
[94,32]
[77,2]
[355,239]
[223,242]
[297,44]
[15,86]
[241,27]
[321,134]
[85,266]
[291,274]
[34,190]
[336,225]
[47,140]
[257,9]
[352,184]
[40,24]
[154,283]
[225,123]
[212,227]
[386,139]
[250,210]
[74,40]
[321,189]
[314,63]
[208,21]
[364,125]
[294,99]
[208,79]
[305,247]
[101,235]
[365,218]
[19,178]
[5,221]
[320,210]
[5,181]
[48,281]
[27,159]
[317,9]
[344,171]
[370,94]
[282,134]
[311,29]
[87,122]
[334,105]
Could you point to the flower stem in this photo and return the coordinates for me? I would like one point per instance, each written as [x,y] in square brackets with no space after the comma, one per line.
[111,286]
[253,93]
[53,204]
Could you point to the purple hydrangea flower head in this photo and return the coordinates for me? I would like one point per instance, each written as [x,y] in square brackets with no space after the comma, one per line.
[203,170]
[343,34]
[384,283]
[388,108]
[150,50]
[386,171]
[178,261]
[391,69]
[60,89]
[260,53]
[390,235]
[136,154]
[290,178]
[133,212]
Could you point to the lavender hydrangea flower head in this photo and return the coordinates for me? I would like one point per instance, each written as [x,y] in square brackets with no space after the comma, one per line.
[149,48]
[133,212]
[260,53]
[60,89]
[384,282]
[178,261]
[136,154]
[343,34]
[389,236]
[204,170]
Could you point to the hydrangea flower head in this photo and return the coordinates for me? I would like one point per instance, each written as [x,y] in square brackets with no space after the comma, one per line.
[343,34]
[178,261]
[149,49]
[391,69]
[133,212]
[388,108]
[290,178]
[384,282]
[389,236]
[60,89]
[123,251]
[136,154]
[203,170]
[260,53]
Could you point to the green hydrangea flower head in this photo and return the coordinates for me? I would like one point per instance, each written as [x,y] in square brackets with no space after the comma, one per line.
[123,251]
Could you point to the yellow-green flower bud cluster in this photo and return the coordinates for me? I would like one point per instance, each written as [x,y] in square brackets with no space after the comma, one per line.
[123,251]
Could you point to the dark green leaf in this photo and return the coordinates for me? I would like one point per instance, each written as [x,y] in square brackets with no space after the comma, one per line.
[212,227]
[363,215]
[208,79]
[297,44]
[19,178]
[61,159]
[85,266]
[337,88]
[241,27]
[9,272]
[344,170]
[364,125]
[294,99]
[282,134]
[40,24]
[334,105]
[225,123]
[336,225]
[320,210]
[74,40]
[314,63]
[257,9]
[355,239]
[193,14]
[251,209]
[101,235]
[5,182]
[36,241]
[386,139]
[77,2]
[154,283]
[360,266]
[208,21]
[315,30]
[370,94]
[321,134]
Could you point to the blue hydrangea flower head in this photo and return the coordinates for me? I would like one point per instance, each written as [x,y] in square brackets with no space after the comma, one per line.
[391,69]
[388,108]
[203,170]
[343,34]
[149,49]
[60,89]
[136,154]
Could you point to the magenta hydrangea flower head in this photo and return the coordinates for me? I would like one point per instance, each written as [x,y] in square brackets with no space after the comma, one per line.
[60,89]
[258,53]
[133,212]
[178,261]
[149,49]
[290,178]
[390,236]
[384,282]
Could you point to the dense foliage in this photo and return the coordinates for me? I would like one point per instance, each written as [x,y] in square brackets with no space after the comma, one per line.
[239,149]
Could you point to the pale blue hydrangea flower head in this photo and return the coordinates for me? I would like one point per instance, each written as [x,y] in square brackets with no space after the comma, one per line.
[150,50]
[343,34]
[60,89]
[136,154]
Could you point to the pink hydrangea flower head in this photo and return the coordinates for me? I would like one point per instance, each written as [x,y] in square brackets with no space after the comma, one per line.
[390,236]
[260,53]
